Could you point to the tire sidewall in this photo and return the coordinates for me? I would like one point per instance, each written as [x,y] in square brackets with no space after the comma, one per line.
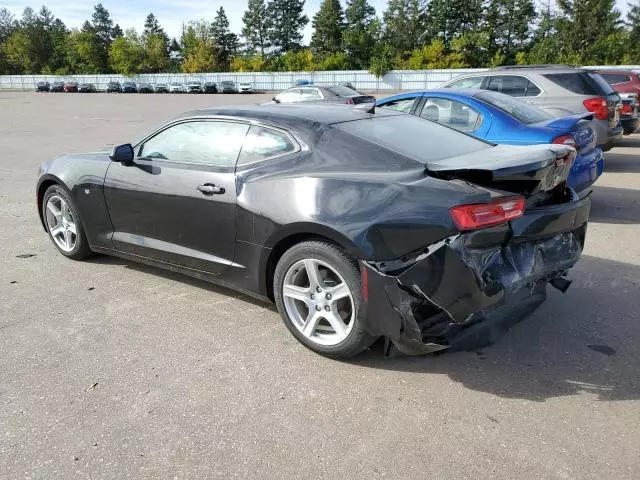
[81,246]
[357,340]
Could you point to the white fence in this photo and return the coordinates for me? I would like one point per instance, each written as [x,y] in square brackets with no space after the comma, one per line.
[268,81]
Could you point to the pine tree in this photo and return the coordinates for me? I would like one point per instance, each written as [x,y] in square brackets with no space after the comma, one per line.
[633,22]
[404,26]
[117,31]
[256,27]
[450,19]
[361,32]
[102,26]
[328,27]
[584,22]
[509,26]
[225,42]
[286,21]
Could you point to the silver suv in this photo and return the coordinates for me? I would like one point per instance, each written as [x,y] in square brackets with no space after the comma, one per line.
[558,89]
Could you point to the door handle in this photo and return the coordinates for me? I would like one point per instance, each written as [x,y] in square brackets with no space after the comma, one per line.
[210,189]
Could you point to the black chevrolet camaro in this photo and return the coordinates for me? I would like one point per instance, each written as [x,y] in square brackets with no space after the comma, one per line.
[358,225]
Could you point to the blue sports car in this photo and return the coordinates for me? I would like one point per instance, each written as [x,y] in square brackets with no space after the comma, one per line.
[499,118]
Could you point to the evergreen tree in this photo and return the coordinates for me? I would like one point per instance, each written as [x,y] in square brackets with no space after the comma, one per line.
[404,26]
[584,22]
[225,42]
[361,32]
[328,27]
[256,27]
[508,23]
[286,21]
[449,19]
[633,22]
[103,27]
[117,32]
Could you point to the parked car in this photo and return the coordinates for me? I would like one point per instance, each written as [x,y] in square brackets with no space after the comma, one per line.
[302,82]
[622,81]
[194,87]
[176,88]
[86,88]
[559,90]
[71,87]
[162,88]
[56,87]
[245,87]
[210,87]
[145,87]
[113,87]
[502,119]
[42,87]
[425,235]
[629,116]
[129,87]
[330,94]
[227,87]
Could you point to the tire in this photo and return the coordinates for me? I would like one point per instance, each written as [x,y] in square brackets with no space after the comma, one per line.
[335,269]
[79,245]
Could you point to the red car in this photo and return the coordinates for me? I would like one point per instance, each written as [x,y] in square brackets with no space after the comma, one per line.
[627,84]
[71,87]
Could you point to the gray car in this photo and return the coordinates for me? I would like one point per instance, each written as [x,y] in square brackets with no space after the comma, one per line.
[559,90]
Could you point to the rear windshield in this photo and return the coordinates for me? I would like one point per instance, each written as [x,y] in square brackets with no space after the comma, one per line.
[582,83]
[413,137]
[342,91]
[521,111]
[613,78]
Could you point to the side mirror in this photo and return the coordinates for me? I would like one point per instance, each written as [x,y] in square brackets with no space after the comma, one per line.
[275,100]
[122,153]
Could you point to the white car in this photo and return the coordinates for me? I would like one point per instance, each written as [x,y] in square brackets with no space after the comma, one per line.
[176,88]
[245,88]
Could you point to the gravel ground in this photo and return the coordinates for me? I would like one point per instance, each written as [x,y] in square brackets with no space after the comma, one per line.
[109,369]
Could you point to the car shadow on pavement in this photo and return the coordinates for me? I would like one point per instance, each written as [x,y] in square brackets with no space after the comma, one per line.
[621,162]
[615,205]
[585,341]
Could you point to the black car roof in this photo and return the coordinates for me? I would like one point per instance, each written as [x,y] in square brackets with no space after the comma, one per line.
[315,113]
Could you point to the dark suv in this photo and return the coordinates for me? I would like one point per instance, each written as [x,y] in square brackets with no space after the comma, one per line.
[560,90]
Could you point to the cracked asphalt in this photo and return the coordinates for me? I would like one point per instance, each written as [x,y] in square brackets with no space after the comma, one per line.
[109,369]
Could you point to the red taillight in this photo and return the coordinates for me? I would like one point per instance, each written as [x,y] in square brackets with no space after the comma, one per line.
[480,215]
[349,101]
[565,140]
[626,108]
[597,106]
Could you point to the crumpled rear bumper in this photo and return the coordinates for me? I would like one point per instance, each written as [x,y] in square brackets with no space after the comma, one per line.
[467,290]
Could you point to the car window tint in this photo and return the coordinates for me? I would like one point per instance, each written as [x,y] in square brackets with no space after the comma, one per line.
[532,89]
[401,105]
[451,113]
[468,82]
[413,137]
[614,78]
[262,143]
[512,85]
[518,109]
[581,83]
[206,143]
[342,91]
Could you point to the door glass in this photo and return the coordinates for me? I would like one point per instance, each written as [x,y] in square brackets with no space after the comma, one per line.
[532,89]
[262,143]
[402,105]
[451,113]
[206,143]
[310,95]
[289,96]
[512,85]
[468,82]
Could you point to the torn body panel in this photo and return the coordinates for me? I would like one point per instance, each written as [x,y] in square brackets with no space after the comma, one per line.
[471,287]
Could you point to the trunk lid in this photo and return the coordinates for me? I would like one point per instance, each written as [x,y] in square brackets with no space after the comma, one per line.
[578,126]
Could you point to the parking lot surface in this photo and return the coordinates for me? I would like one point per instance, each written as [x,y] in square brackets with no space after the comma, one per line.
[110,369]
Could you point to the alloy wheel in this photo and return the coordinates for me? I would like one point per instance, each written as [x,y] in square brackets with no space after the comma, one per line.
[61,223]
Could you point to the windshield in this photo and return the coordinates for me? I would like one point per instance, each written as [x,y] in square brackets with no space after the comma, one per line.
[413,137]
[518,109]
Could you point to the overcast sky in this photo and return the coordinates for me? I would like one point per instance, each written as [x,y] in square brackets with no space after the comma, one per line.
[171,13]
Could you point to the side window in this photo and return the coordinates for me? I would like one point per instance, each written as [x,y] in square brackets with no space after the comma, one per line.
[289,96]
[403,105]
[310,95]
[468,82]
[532,89]
[615,78]
[262,143]
[512,85]
[212,143]
[451,113]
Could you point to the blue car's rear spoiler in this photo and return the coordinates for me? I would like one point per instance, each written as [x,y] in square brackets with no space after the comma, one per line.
[566,123]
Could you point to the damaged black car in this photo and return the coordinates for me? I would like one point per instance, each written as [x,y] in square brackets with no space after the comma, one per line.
[358,224]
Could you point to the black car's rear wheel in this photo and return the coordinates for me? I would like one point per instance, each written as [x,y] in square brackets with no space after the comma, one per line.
[317,289]
[63,224]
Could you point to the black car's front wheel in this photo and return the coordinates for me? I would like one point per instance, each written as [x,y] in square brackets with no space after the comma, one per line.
[317,289]
[63,224]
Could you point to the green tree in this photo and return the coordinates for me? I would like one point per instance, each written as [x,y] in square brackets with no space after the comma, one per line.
[404,26]
[633,24]
[450,19]
[335,61]
[300,60]
[434,55]
[17,49]
[509,26]
[361,33]
[82,54]
[328,27]
[103,28]
[286,22]
[225,43]
[380,61]
[152,27]
[197,48]
[7,26]
[127,53]
[255,30]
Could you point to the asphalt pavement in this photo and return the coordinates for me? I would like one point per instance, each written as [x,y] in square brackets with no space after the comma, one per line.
[110,369]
